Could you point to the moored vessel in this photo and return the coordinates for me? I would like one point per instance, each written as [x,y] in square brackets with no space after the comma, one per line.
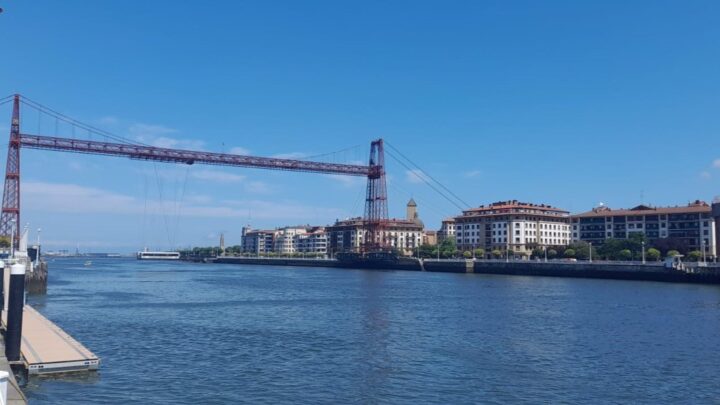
[157,255]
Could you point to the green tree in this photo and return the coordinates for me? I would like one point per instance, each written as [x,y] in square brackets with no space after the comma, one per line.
[467,254]
[448,248]
[552,253]
[537,252]
[582,250]
[570,253]
[652,255]
[611,248]
[497,253]
[670,244]
[694,256]
[672,253]
[625,254]
[4,241]
[479,253]
[428,251]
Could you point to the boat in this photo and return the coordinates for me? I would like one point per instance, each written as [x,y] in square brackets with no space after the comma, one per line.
[88,263]
[149,255]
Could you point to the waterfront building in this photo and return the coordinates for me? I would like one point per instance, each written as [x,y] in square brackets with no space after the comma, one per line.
[512,226]
[447,229]
[257,241]
[405,235]
[314,241]
[430,238]
[285,240]
[693,224]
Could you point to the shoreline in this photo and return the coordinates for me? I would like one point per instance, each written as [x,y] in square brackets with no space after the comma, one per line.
[596,270]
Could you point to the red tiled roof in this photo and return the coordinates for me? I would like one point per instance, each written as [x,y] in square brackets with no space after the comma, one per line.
[511,206]
[694,207]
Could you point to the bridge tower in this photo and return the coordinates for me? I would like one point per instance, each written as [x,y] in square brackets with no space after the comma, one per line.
[376,207]
[11,196]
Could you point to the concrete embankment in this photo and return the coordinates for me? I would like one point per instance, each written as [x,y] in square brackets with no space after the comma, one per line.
[36,279]
[602,270]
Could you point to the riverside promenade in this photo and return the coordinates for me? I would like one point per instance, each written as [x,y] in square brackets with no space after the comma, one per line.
[694,273]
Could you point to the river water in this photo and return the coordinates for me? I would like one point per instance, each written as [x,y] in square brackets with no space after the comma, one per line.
[181,333]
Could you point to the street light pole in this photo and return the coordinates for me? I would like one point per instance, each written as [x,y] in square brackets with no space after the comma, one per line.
[703,247]
[643,252]
[590,243]
[545,249]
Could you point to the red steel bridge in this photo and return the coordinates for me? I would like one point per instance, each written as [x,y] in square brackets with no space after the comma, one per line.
[376,208]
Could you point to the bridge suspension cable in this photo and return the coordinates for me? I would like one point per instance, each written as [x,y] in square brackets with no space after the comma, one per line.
[75,123]
[428,183]
[427,178]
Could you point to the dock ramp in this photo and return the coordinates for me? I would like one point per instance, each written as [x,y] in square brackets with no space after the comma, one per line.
[46,348]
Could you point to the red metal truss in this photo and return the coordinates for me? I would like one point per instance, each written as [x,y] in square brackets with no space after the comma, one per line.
[11,194]
[376,204]
[186,156]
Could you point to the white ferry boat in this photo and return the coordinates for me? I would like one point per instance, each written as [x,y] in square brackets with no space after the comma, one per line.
[148,255]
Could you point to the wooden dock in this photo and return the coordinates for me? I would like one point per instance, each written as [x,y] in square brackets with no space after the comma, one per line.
[46,348]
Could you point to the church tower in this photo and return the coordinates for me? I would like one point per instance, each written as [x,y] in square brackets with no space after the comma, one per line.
[412,214]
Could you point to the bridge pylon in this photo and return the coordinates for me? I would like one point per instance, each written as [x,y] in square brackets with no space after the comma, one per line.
[10,217]
[376,204]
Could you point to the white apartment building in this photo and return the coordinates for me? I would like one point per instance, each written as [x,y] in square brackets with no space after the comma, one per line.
[512,225]
[694,224]
[447,229]
[314,241]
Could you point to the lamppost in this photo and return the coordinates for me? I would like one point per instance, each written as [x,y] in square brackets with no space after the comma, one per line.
[703,248]
[590,243]
[545,251]
[643,251]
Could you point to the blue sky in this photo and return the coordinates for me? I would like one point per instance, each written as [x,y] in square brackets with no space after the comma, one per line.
[567,103]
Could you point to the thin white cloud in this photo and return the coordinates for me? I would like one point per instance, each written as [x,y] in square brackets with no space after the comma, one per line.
[705,175]
[716,163]
[415,176]
[291,155]
[72,198]
[472,173]
[159,136]
[75,165]
[347,181]
[150,130]
[258,187]
[198,199]
[216,176]
[108,120]
[76,199]
[239,151]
